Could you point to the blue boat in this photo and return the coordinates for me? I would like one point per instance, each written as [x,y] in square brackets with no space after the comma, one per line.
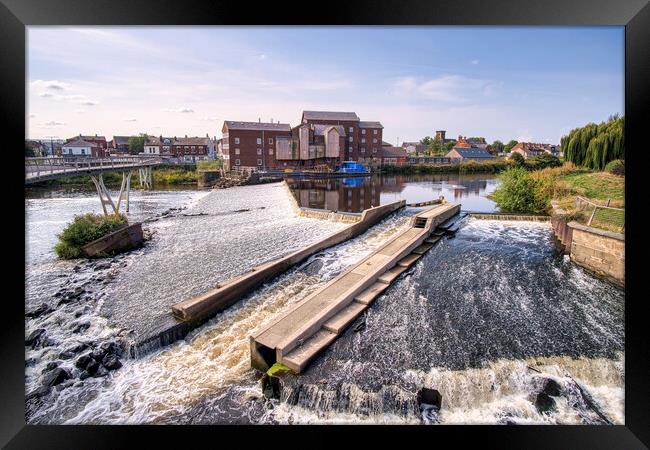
[352,167]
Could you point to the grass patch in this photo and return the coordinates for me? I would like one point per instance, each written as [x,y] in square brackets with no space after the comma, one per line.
[210,164]
[84,229]
[174,175]
[595,185]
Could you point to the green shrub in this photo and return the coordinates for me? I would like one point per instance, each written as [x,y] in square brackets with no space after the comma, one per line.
[210,164]
[543,161]
[518,159]
[616,167]
[174,175]
[84,229]
[523,193]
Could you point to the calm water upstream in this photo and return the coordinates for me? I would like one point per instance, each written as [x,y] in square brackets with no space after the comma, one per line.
[483,317]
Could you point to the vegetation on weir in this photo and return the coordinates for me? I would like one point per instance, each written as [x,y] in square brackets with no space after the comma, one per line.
[595,145]
[167,175]
[84,229]
[210,164]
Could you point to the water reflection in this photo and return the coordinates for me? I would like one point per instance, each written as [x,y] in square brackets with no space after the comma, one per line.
[359,193]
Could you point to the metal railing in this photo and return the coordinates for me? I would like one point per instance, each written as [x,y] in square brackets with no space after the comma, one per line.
[601,215]
[42,166]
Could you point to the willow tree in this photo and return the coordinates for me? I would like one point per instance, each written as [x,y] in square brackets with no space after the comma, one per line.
[594,145]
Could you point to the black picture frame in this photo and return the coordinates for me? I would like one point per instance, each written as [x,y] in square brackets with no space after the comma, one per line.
[15,15]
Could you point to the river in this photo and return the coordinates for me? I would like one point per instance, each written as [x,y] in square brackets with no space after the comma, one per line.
[484,317]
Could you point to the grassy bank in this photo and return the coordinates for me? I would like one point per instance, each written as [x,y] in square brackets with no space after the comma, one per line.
[84,229]
[535,192]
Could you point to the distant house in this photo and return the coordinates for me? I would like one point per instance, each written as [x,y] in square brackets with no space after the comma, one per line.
[100,141]
[463,150]
[192,149]
[528,149]
[158,145]
[120,144]
[478,143]
[393,156]
[79,147]
[414,147]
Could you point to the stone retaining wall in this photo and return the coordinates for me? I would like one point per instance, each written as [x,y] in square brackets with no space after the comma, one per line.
[601,252]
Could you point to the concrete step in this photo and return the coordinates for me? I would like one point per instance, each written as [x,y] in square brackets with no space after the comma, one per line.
[408,261]
[390,275]
[432,240]
[370,294]
[299,357]
[345,317]
[422,249]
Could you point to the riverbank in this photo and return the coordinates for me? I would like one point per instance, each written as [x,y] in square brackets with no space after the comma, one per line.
[490,166]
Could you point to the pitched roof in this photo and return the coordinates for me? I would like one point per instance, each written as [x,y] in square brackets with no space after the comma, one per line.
[393,152]
[472,152]
[370,125]
[192,141]
[319,130]
[79,143]
[236,125]
[386,144]
[330,115]
[99,138]
[121,140]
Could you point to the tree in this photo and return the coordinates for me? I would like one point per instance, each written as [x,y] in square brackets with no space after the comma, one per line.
[518,159]
[509,145]
[29,152]
[595,145]
[497,146]
[136,143]
[449,145]
[427,140]
[437,147]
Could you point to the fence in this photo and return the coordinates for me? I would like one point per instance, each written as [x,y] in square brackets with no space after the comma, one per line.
[37,167]
[601,216]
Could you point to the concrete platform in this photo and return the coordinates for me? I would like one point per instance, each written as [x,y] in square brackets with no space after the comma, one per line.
[308,327]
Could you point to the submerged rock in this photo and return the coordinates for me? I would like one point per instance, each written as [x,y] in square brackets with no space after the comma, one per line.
[111,362]
[35,336]
[552,387]
[544,403]
[430,397]
[38,392]
[57,376]
[39,311]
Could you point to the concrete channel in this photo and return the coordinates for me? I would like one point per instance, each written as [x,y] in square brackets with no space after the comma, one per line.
[308,327]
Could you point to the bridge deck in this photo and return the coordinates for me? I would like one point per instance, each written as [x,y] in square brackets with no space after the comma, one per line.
[43,169]
[311,325]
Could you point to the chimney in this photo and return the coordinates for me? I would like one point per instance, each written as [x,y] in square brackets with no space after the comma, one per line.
[186,136]
[259,120]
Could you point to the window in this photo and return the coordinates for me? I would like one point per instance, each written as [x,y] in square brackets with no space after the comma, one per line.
[351,129]
[363,131]
[374,150]
[363,140]
[374,141]
[236,140]
[237,162]
[363,149]
[259,162]
[83,151]
[259,141]
[193,147]
[351,139]
[374,131]
[350,148]
[236,151]
[259,151]
[271,141]
[270,151]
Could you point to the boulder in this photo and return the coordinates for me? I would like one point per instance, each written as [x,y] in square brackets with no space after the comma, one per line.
[57,376]
[83,361]
[111,362]
[39,311]
[38,392]
[101,372]
[51,366]
[81,327]
[544,403]
[552,387]
[429,397]
[70,352]
[98,353]
[34,337]
[92,367]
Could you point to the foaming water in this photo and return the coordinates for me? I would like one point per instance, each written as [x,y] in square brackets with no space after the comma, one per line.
[213,359]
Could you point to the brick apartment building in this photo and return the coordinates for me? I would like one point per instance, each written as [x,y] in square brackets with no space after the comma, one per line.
[363,139]
[256,145]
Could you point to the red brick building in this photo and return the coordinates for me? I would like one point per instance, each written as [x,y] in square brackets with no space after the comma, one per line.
[192,148]
[255,145]
[99,142]
[394,156]
[362,138]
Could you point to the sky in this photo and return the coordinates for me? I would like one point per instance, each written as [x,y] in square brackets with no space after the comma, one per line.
[531,84]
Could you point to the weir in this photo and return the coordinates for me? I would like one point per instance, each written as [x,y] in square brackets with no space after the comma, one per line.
[193,312]
[298,335]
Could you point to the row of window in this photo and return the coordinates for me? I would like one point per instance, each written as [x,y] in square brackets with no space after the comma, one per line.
[259,141]
[363,131]
[259,162]
[259,151]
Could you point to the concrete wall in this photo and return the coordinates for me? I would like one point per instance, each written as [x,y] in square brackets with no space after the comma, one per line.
[601,252]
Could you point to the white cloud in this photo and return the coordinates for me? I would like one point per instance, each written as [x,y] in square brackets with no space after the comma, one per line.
[446,88]
[130,119]
[524,136]
[475,62]
[50,84]
[262,57]
[209,119]
[80,111]
[52,124]
[180,110]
